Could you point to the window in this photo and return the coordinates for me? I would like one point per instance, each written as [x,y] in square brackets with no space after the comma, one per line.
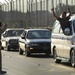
[56,27]
[39,34]
[12,33]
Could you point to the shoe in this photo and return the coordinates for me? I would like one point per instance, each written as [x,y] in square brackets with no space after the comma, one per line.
[2,72]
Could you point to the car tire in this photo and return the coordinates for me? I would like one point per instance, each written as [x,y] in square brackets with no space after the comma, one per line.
[72,58]
[20,51]
[55,56]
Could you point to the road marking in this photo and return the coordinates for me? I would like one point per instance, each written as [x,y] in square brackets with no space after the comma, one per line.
[62,66]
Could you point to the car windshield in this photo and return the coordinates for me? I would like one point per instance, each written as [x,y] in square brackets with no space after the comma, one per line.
[10,33]
[39,34]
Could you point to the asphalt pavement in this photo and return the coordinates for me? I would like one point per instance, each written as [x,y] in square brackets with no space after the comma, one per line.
[16,64]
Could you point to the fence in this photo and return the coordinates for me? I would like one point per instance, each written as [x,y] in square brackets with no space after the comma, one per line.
[33,13]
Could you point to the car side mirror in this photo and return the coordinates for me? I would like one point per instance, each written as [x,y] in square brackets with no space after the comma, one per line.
[67,31]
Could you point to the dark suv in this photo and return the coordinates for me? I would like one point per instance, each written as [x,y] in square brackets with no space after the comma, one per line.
[35,41]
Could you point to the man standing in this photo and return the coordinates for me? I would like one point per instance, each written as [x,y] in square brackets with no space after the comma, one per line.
[64,20]
[2,29]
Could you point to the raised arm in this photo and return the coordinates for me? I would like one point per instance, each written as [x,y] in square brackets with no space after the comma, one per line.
[54,13]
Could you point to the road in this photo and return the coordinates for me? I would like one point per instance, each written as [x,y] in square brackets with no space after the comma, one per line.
[16,64]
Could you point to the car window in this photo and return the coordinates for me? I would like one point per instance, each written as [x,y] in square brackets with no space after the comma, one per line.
[39,34]
[10,33]
[56,27]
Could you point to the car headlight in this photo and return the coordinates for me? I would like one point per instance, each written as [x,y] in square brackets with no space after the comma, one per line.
[32,44]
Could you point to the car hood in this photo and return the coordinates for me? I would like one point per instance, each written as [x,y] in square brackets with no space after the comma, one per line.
[38,40]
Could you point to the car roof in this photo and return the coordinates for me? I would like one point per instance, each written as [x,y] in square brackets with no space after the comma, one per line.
[15,29]
[35,29]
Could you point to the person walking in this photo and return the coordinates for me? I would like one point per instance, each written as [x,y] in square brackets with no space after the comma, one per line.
[2,29]
[64,20]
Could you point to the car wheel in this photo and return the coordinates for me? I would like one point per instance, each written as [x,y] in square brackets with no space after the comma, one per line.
[72,58]
[55,57]
[20,51]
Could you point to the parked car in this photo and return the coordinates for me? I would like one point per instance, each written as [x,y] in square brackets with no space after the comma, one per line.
[35,41]
[10,38]
[63,43]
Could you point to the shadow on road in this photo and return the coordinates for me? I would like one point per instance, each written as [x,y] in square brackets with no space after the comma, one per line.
[40,56]
[13,50]
[67,64]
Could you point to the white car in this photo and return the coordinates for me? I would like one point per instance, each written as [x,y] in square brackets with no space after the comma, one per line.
[10,38]
[63,42]
[35,41]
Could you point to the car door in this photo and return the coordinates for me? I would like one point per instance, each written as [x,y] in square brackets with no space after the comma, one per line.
[67,44]
[57,38]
